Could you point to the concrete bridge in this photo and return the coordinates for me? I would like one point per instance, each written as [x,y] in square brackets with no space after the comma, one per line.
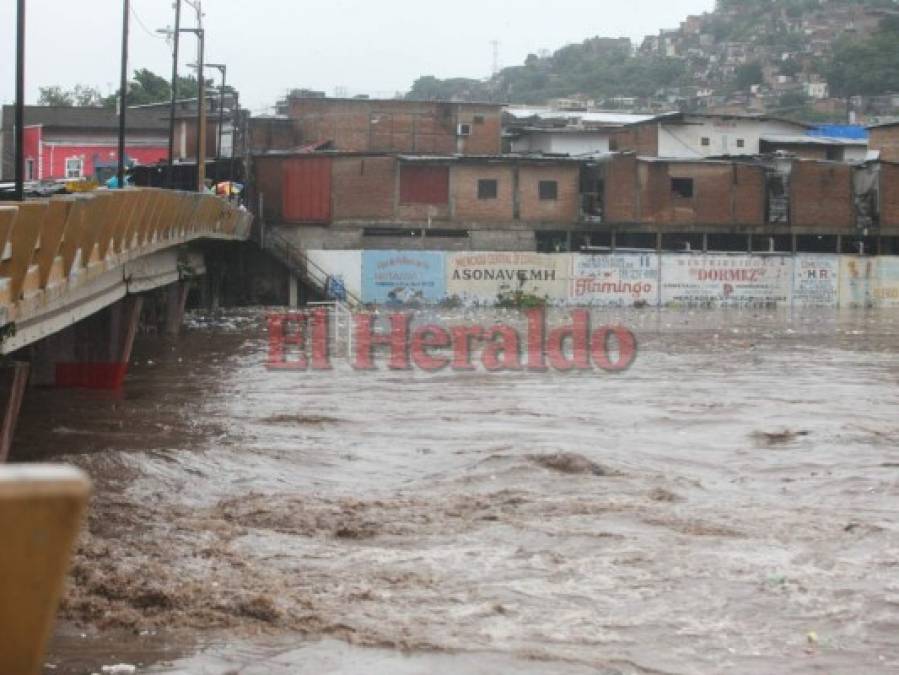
[79,273]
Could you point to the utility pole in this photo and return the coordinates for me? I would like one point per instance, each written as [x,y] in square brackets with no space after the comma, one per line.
[177,38]
[123,95]
[201,98]
[201,117]
[20,103]
[223,71]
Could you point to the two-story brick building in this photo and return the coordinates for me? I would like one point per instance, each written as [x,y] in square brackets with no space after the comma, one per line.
[885,140]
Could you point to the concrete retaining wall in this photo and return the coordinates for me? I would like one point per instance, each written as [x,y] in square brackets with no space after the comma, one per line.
[618,279]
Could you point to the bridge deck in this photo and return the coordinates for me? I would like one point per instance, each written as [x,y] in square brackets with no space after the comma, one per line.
[70,256]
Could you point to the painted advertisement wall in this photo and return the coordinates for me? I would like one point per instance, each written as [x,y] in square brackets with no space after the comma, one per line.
[886,288]
[726,280]
[403,277]
[343,270]
[857,277]
[482,277]
[617,280]
[869,282]
[816,280]
[613,280]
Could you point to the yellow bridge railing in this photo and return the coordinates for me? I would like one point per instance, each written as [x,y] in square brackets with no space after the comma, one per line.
[51,247]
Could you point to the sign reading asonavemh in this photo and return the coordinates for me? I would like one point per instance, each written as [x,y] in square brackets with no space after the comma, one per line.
[483,277]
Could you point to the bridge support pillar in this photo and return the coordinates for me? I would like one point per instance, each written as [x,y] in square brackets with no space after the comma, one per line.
[293,291]
[175,302]
[13,379]
[92,354]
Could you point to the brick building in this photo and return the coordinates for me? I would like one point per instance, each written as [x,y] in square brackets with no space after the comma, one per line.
[520,202]
[885,138]
[391,125]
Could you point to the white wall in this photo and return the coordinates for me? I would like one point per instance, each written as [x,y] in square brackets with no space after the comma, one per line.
[564,143]
[685,140]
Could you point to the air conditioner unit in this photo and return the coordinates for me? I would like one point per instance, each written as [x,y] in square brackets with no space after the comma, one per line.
[464,130]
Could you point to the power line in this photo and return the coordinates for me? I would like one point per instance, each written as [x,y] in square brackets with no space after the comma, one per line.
[144,27]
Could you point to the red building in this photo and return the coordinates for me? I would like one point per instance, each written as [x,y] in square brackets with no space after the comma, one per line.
[75,142]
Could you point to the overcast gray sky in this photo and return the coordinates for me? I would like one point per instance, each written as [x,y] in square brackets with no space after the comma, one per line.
[271,46]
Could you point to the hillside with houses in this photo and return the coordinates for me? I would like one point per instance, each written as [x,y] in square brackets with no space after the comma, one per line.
[818,60]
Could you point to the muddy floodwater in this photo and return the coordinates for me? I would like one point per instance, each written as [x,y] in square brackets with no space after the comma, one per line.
[729,504]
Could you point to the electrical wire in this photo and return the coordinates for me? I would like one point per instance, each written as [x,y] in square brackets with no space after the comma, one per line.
[144,26]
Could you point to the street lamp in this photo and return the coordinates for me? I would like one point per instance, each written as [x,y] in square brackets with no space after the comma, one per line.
[201,105]
[223,70]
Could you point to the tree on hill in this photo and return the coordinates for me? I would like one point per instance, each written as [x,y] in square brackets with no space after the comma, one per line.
[866,67]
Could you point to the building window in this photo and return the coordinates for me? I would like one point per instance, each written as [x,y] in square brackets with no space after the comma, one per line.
[29,169]
[706,141]
[424,184]
[74,167]
[487,189]
[741,143]
[478,119]
[682,187]
[549,190]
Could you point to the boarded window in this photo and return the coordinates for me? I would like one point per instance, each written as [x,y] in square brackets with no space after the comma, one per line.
[682,187]
[487,188]
[549,190]
[424,185]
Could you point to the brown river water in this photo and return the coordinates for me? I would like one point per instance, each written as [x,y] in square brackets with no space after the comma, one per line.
[729,504]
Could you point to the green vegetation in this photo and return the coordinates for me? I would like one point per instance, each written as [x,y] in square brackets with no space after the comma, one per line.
[519,300]
[597,68]
[604,69]
[146,87]
[866,67]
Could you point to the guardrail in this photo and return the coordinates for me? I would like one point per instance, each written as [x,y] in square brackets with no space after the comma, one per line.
[296,259]
[50,247]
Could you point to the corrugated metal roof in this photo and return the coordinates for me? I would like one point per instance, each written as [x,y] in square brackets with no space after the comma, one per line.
[799,139]
[80,117]
[574,116]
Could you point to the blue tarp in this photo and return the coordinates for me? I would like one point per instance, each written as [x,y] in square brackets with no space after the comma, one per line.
[850,131]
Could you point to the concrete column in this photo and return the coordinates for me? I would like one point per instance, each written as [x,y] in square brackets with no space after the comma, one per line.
[13,379]
[293,291]
[92,354]
[175,302]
